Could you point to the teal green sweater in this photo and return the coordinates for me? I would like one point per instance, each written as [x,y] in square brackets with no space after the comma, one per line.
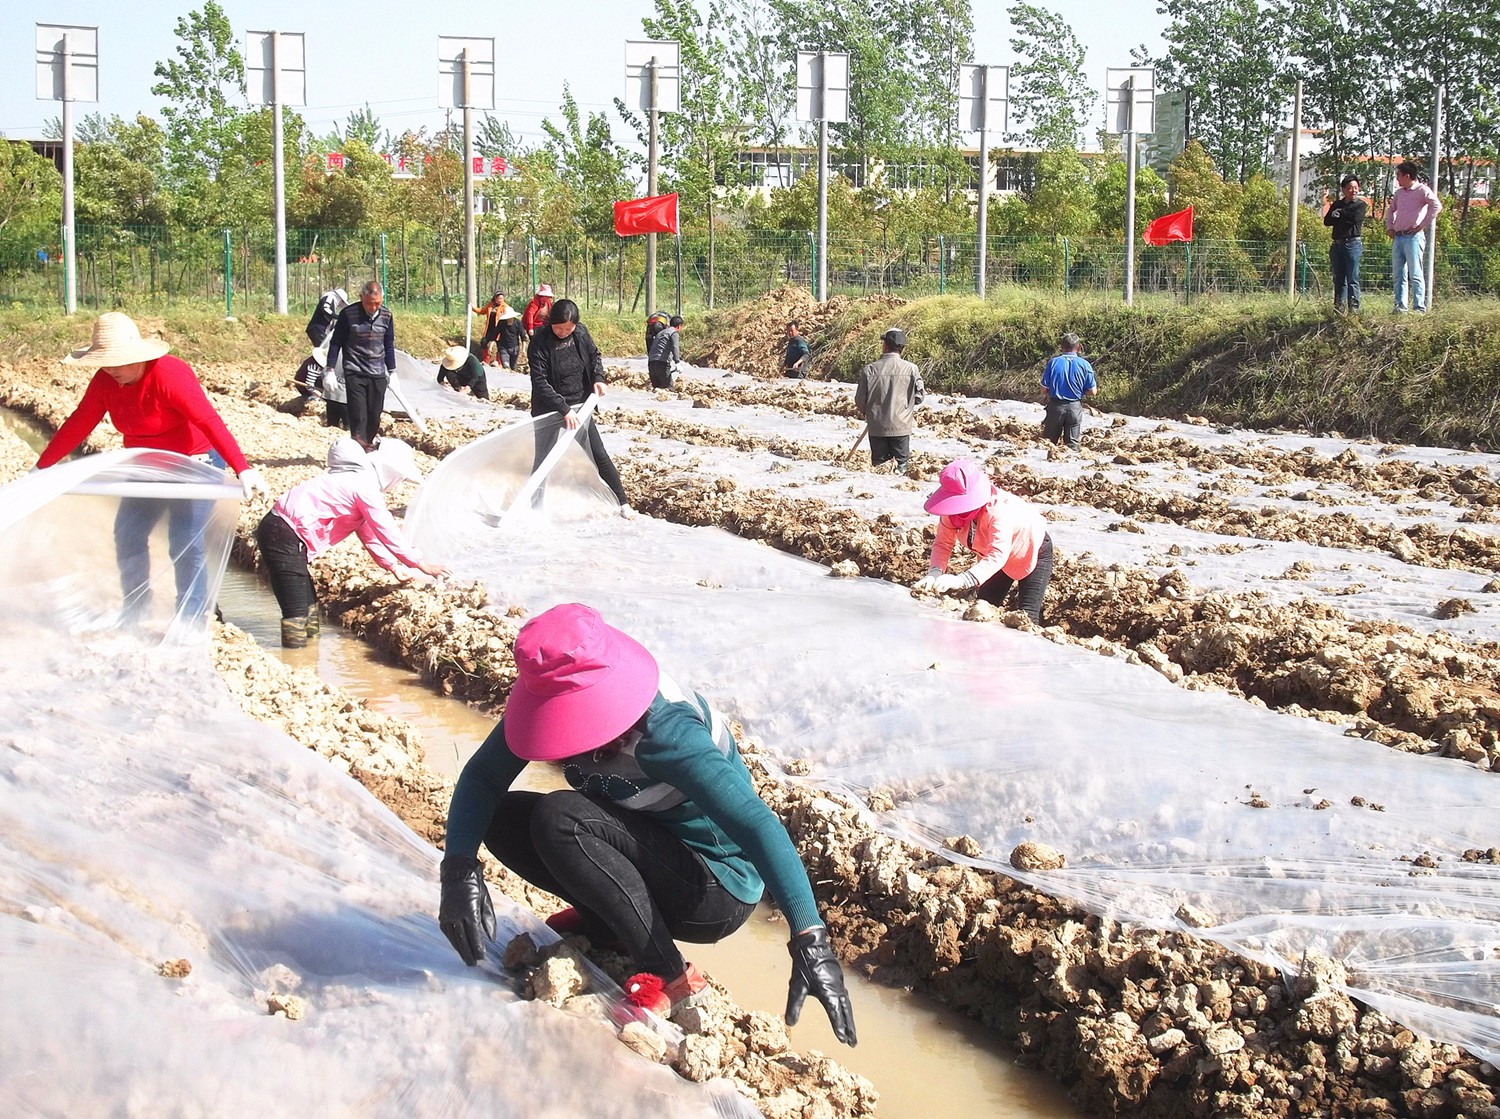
[686,771]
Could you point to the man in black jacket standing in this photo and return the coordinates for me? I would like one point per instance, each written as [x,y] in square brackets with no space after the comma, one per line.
[365,334]
[1347,217]
[565,368]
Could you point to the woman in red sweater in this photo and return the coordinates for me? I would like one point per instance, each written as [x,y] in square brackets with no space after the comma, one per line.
[154,400]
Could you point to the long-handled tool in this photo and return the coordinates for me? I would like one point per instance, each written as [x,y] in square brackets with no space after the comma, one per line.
[863,432]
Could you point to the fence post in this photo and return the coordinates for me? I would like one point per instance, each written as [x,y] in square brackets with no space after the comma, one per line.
[1302,267]
[382,263]
[1067,267]
[531,258]
[228,279]
[942,266]
[812,261]
[1187,275]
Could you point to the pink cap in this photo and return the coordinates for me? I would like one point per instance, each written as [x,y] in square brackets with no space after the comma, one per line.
[544,289]
[579,684]
[963,486]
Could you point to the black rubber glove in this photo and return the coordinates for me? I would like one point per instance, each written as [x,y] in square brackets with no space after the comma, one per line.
[816,969]
[465,914]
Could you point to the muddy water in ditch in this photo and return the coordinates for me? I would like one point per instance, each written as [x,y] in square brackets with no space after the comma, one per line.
[925,1060]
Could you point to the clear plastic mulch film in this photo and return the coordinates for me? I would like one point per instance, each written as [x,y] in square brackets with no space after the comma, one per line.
[195,909]
[135,540]
[1284,835]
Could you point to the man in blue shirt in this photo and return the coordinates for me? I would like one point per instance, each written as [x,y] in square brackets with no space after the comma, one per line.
[1068,378]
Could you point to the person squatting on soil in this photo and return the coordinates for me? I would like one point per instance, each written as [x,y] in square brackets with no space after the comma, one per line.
[309,378]
[315,515]
[565,369]
[461,369]
[1008,537]
[665,354]
[794,361]
[154,400]
[502,329]
[1067,379]
[660,836]
[365,334]
[887,394]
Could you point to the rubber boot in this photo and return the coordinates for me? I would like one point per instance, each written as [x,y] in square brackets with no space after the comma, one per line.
[294,633]
[314,625]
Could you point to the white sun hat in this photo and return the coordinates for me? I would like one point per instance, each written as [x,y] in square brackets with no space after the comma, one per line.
[454,356]
[117,341]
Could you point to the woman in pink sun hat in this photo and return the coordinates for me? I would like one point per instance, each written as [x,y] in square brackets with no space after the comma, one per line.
[1007,535]
[660,836]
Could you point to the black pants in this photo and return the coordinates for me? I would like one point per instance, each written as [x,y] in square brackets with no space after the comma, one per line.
[285,557]
[546,437]
[661,374]
[366,399]
[624,873]
[1029,591]
[883,448]
[1063,422]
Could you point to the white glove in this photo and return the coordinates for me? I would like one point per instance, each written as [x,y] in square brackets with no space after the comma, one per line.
[949,584]
[926,584]
[252,481]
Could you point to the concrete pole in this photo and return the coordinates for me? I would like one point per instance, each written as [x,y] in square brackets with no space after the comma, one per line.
[70,246]
[1437,155]
[651,170]
[1130,192]
[471,274]
[278,172]
[1292,194]
[984,180]
[821,292]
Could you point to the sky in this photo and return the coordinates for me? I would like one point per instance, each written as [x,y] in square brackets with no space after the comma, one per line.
[390,61]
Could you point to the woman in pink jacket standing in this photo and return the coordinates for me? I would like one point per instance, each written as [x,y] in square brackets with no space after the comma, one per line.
[1006,534]
[311,517]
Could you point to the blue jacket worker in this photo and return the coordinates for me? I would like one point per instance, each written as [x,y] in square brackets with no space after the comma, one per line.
[1067,378]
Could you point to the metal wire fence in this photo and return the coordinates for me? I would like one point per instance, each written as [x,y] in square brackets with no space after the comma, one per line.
[146,266]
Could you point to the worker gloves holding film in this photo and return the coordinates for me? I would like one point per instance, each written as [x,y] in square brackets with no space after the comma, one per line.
[465,914]
[816,971]
[936,582]
[252,482]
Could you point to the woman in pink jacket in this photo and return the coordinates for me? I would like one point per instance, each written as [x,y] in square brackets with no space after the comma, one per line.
[1007,536]
[310,518]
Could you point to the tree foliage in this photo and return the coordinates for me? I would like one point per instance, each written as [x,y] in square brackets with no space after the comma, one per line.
[1051,100]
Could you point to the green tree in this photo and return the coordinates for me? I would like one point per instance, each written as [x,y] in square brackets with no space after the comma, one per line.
[204,89]
[1051,99]
[1195,182]
[1227,56]
[1062,205]
[591,164]
[118,170]
[30,187]
[1109,198]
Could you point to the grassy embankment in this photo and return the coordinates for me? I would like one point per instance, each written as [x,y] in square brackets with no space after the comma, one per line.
[1258,362]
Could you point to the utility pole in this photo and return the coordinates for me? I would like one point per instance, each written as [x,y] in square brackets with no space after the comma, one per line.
[67,70]
[1130,107]
[983,103]
[276,75]
[651,186]
[1430,264]
[1295,191]
[822,96]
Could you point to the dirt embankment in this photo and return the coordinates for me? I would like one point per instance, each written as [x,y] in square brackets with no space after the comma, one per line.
[1144,1023]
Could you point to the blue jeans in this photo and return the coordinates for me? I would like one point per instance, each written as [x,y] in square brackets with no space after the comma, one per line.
[1406,263]
[186,520]
[1343,259]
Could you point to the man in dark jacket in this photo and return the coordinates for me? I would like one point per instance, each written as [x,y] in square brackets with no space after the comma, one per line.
[365,335]
[664,353]
[565,369]
[1346,217]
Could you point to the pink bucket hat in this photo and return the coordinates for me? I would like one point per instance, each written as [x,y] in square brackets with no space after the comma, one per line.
[963,486]
[544,289]
[580,683]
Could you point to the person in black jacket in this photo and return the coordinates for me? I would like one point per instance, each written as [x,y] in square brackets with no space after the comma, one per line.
[365,334]
[461,369]
[565,368]
[1347,217]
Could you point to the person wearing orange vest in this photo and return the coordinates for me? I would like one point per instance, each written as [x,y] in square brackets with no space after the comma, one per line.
[1007,535]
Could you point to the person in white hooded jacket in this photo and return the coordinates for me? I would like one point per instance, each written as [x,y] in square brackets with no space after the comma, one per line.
[312,517]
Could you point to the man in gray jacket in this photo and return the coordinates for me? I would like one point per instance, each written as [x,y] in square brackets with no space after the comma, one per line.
[889,390]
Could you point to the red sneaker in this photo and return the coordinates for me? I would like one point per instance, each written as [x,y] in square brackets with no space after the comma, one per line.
[565,922]
[648,992]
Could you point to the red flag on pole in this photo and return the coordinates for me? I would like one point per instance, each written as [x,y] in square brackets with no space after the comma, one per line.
[657,214]
[1170,227]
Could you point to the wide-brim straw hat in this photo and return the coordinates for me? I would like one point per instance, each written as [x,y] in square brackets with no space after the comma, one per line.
[117,341]
[454,356]
[580,684]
